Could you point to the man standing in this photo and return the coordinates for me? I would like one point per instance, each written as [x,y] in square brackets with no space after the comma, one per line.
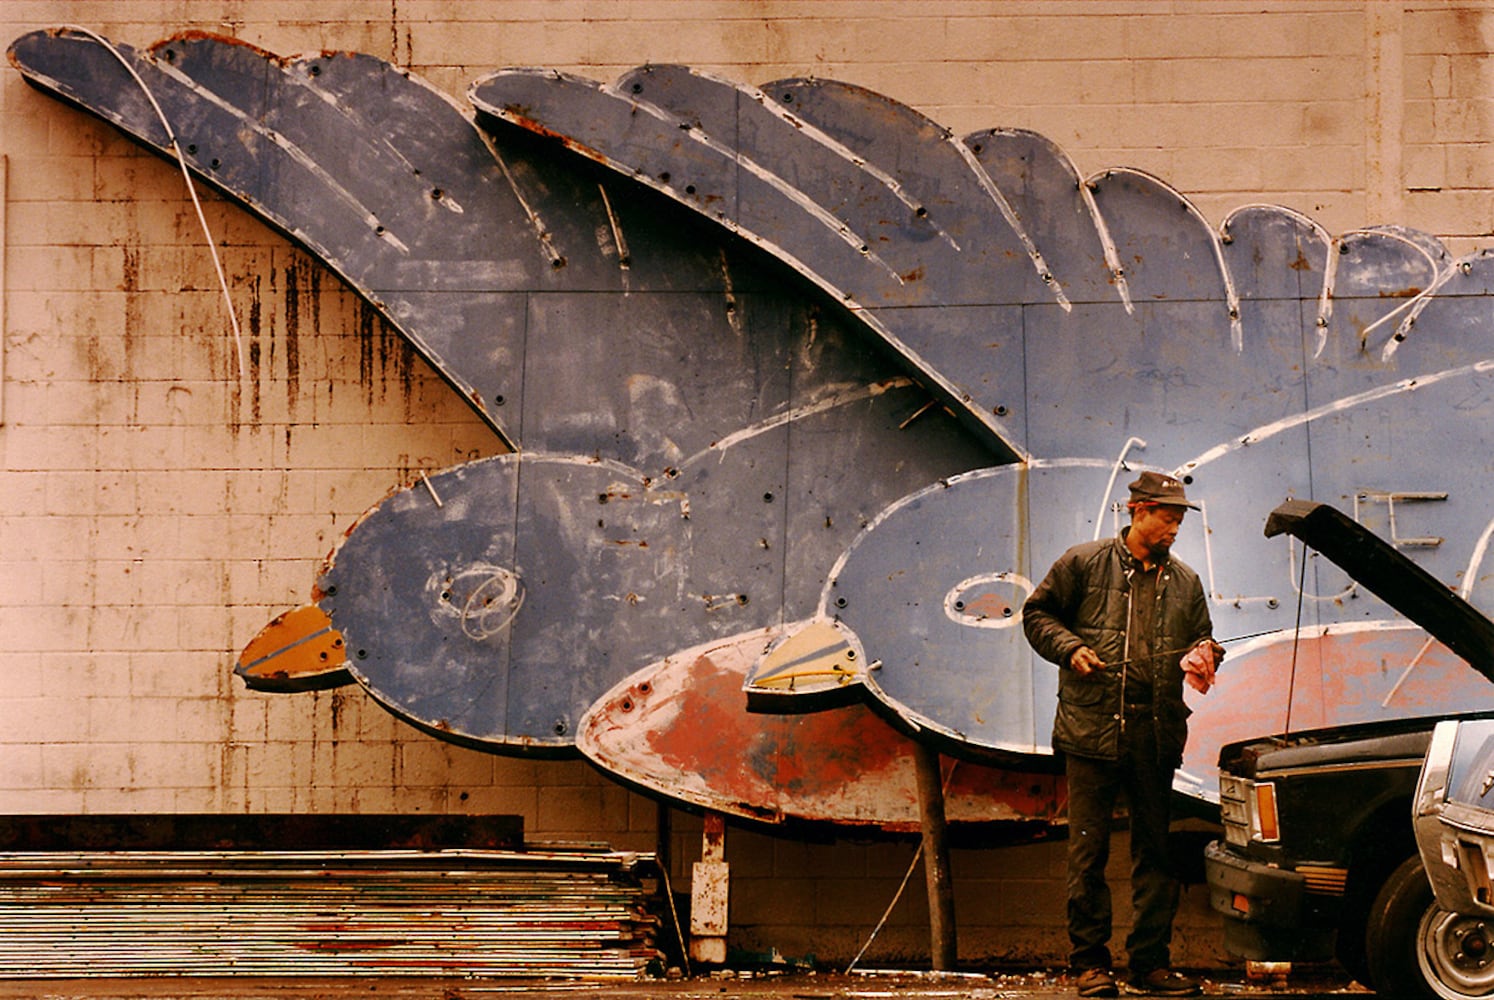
[1126,623]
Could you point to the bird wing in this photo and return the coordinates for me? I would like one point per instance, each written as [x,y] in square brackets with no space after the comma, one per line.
[699,436]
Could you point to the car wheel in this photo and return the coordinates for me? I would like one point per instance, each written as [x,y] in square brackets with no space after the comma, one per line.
[1416,948]
[1456,953]
[1392,937]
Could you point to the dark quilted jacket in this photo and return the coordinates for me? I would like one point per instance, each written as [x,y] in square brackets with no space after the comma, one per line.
[1083,601]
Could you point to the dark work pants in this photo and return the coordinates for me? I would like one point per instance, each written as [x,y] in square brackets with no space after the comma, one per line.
[1093,787]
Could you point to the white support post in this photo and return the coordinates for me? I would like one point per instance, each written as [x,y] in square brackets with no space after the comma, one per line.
[710,881]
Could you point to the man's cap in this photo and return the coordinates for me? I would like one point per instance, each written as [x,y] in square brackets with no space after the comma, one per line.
[1159,488]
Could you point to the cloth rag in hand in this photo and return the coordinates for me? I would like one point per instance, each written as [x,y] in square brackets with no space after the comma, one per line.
[1198,667]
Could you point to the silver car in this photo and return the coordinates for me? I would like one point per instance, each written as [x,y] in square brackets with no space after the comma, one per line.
[1454,823]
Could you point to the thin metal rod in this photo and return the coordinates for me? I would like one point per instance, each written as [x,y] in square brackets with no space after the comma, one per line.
[181,160]
[1183,649]
[1296,639]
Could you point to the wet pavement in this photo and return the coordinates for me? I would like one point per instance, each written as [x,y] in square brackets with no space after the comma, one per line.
[868,985]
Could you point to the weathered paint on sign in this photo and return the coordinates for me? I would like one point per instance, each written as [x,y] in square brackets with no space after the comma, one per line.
[677,729]
[298,651]
[1087,327]
[698,438]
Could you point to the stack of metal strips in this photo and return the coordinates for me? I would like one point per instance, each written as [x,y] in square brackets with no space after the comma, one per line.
[450,913]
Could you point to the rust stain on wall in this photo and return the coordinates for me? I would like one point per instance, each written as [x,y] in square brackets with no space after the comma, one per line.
[303,315]
[130,285]
[293,350]
[385,360]
[256,334]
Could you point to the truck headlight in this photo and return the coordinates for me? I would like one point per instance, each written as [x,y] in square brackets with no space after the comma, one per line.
[1248,809]
[1263,822]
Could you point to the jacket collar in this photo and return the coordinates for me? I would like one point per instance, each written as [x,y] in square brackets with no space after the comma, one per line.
[1129,560]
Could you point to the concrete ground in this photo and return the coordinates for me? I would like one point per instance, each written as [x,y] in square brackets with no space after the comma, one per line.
[871,985]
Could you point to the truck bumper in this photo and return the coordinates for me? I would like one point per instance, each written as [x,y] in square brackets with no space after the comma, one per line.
[1268,913]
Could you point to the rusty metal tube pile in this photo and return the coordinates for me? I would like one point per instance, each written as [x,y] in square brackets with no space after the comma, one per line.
[479,913]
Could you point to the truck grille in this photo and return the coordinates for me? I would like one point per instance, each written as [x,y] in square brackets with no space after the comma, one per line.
[1324,879]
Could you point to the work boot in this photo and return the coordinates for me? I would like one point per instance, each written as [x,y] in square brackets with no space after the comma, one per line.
[1163,983]
[1097,982]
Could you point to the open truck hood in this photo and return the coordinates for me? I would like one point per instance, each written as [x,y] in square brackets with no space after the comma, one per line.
[1390,576]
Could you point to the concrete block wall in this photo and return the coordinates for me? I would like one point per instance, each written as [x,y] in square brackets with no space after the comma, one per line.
[161,503]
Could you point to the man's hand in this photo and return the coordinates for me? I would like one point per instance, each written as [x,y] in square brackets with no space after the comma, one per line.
[1198,665]
[1085,661]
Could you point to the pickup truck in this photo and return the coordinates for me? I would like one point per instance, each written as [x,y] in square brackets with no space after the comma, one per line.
[1320,858]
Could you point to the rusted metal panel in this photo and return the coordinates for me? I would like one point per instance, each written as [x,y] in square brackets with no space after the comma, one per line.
[677,729]
[308,913]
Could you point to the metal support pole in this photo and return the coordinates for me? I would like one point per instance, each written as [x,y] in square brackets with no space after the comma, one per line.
[943,948]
